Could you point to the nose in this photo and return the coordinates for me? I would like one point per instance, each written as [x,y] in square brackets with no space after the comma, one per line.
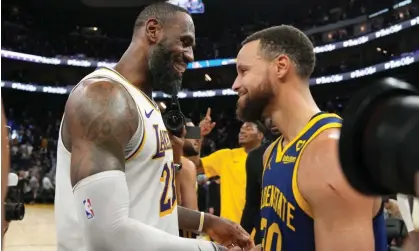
[188,55]
[236,85]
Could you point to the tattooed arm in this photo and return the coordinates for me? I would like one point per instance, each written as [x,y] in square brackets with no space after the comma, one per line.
[100,119]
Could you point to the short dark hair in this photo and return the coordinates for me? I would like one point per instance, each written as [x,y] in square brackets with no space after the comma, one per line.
[161,11]
[259,125]
[288,40]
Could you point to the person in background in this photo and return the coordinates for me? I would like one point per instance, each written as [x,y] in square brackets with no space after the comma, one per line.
[214,196]
[250,220]
[391,208]
[186,184]
[229,164]
[5,163]
[48,189]
[186,177]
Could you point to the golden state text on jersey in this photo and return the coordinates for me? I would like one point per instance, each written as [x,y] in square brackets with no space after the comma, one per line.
[285,223]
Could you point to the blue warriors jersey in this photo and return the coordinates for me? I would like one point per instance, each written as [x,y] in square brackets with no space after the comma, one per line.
[286,222]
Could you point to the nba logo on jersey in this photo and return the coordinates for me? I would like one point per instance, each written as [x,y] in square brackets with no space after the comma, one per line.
[88,209]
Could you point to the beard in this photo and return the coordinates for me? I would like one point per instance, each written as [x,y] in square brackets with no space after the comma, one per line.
[254,104]
[163,73]
[189,150]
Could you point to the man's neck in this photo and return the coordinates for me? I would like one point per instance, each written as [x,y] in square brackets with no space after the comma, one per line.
[249,147]
[292,109]
[133,66]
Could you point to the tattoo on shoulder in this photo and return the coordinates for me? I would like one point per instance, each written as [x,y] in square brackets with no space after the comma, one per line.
[101,117]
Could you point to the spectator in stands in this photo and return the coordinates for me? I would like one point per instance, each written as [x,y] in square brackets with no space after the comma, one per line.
[47,184]
[391,208]
[229,164]
[34,187]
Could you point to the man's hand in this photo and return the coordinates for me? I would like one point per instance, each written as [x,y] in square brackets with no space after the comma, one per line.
[206,124]
[226,232]
[393,208]
[177,146]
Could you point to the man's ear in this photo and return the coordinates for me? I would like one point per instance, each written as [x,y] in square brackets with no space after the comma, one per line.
[282,65]
[153,30]
[260,136]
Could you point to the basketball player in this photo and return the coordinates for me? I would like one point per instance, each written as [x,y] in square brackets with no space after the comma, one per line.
[230,165]
[307,204]
[116,161]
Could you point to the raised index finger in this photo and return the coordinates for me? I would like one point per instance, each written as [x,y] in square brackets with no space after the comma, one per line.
[208,112]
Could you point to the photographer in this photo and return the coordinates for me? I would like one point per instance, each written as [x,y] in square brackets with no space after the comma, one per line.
[378,146]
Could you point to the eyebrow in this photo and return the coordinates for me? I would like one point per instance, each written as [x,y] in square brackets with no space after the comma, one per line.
[241,65]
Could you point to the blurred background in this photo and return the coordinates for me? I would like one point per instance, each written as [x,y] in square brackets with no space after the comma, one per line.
[49,46]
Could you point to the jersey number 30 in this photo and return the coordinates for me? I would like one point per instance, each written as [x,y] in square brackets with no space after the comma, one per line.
[168,201]
[270,233]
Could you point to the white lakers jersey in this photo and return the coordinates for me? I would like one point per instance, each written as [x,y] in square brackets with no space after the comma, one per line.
[149,172]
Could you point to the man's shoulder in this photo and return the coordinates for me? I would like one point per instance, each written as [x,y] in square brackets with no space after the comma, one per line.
[186,163]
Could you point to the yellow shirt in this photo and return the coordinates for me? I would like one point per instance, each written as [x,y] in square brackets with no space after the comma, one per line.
[230,165]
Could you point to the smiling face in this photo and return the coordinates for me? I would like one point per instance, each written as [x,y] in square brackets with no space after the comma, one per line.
[252,82]
[169,57]
[249,134]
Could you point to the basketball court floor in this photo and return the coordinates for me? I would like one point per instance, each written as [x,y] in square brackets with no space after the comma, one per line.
[36,232]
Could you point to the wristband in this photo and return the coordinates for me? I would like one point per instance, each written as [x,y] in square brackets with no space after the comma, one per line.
[178,167]
[201,222]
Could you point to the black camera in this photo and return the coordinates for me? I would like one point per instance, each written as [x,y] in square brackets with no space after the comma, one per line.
[173,118]
[379,139]
[13,205]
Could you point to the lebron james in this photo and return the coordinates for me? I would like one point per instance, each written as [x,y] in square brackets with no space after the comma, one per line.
[116,161]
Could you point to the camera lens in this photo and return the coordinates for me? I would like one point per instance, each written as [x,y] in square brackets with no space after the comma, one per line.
[14,211]
[174,122]
[380,132]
